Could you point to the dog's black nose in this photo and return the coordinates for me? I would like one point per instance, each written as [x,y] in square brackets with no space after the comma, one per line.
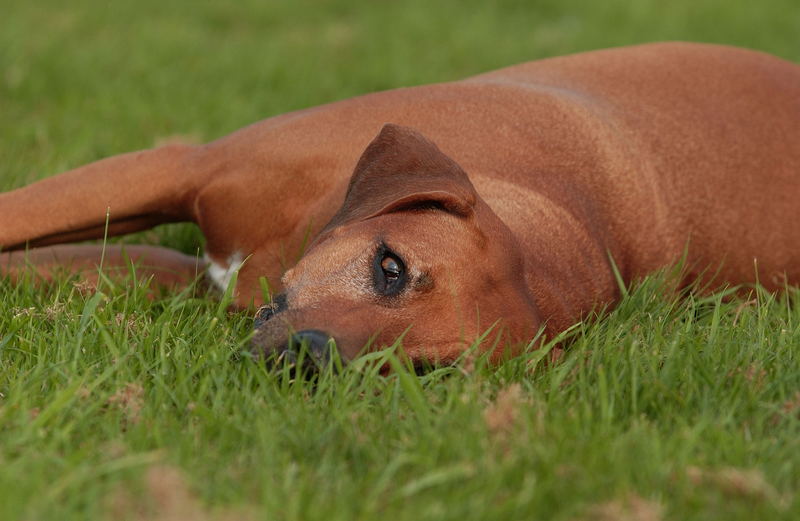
[312,346]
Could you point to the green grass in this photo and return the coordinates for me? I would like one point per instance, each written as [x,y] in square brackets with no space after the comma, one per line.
[116,406]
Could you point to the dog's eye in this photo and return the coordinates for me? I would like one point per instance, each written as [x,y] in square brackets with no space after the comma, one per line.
[391,269]
[389,272]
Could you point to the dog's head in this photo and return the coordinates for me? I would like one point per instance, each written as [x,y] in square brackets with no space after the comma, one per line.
[413,252]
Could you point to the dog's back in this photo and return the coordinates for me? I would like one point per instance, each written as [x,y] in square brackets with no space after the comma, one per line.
[682,142]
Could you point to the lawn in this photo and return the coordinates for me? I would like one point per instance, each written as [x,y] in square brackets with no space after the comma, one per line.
[116,406]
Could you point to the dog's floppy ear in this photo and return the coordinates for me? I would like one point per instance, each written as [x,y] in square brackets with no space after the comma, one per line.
[402,170]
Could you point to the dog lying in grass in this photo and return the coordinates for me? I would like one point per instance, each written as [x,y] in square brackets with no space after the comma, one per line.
[439,212]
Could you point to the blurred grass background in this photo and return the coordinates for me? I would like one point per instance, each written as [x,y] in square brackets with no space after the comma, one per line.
[115,406]
[88,78]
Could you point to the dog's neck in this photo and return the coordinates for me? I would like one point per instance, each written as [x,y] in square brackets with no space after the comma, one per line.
[560,286]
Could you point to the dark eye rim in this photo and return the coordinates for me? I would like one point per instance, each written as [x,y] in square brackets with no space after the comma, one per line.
[383,285]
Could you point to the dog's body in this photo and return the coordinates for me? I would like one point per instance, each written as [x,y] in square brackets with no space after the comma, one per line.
[627,154]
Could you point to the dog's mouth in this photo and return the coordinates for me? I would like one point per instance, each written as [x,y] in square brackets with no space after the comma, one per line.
[308,351]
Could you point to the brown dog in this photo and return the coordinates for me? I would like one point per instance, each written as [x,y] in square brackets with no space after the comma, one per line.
[540,174]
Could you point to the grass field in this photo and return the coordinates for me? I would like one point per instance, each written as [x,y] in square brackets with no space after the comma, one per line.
[114,406]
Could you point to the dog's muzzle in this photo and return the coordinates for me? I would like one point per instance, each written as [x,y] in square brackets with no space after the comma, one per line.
[307,350]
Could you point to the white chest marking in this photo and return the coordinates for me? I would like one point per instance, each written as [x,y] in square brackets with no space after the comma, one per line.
[221,275]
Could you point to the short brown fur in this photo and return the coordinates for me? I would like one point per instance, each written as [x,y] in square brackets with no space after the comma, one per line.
[540,173]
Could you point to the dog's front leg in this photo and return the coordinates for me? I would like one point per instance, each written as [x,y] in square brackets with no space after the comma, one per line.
[118,195]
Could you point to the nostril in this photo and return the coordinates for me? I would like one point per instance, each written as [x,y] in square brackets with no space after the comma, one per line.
[312,338]
[317,344]
[311,348]
[267,311]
